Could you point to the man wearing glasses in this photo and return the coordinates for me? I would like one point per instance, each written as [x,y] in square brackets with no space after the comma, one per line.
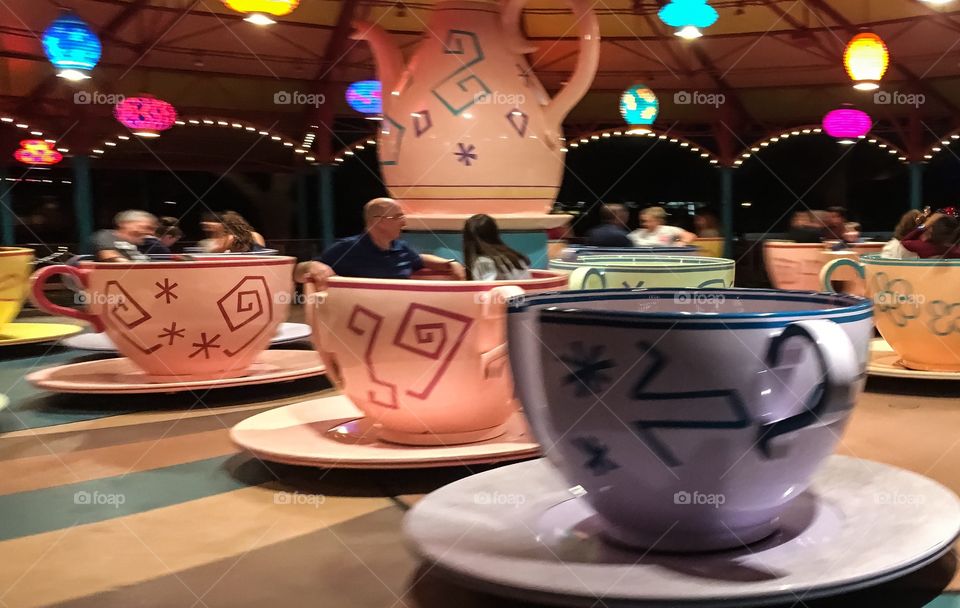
[377,253]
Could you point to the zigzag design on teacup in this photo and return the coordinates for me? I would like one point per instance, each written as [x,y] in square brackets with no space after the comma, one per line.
[429,325]
[249,307]
[643,428]
[120,304]
[359,316]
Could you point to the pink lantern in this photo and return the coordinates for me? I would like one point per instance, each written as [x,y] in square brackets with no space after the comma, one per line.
[145,116]
[847,124]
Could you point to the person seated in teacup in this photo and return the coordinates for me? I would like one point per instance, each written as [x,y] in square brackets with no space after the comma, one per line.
[804,228]
[377,253]
[122,244]
[937,237]
[161,242]
[893,248]
[487,257]
[706,225]
[229,232]
[612,231]
[655,231]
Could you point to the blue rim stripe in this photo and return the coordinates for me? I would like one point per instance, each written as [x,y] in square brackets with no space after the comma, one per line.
[843,304]
[560,318]
[634,269]
[875,259]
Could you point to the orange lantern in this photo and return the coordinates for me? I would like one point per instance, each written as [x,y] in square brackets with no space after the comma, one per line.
[866,60]
[37,152]
[257,10]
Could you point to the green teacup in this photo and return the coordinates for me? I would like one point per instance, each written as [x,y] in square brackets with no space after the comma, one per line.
[609,271]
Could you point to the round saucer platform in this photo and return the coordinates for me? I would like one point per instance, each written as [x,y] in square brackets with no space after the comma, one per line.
[31,333]
[119,376]
[884,361]
[331,432]
[522,531]
[101,342]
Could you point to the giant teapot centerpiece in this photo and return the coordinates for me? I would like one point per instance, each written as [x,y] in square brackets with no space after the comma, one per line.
[467,126]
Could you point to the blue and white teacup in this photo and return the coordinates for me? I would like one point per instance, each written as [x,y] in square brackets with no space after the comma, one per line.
[610,271]
[570,254]
[692,418]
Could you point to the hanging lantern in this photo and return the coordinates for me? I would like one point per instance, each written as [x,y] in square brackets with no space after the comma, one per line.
[71,46]
[688,16]
[364,96]
[145,116]
[258,10]
[847,124]
[639,105]
[866,60]
[37,152]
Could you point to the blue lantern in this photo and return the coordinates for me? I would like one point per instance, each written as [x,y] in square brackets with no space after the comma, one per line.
[688,16]
[639,105]
[71,46]
[364,96]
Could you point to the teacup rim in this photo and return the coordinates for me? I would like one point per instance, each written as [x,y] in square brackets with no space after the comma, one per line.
[522,303]
[785,244]
[877,259]
[12,250]
[560,278]
[206,262]
[699,262]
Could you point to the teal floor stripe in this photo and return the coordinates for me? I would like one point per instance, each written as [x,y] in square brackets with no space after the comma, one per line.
[32,408]
[39,511]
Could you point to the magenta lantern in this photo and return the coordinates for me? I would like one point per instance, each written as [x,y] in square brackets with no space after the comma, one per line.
[145,116]
[847,124]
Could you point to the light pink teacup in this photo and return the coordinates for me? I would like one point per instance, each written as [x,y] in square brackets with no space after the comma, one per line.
[425,359]
[197,320]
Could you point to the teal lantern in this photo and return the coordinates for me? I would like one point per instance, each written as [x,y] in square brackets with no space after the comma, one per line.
[639,105]
[71,46]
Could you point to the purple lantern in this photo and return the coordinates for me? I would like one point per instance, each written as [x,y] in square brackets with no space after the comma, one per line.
[847,124]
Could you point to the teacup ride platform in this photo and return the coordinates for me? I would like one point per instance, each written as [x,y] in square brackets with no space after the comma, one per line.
[422,364]
[521,531]
[442,233]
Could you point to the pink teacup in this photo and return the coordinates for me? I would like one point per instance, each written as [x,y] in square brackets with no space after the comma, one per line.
[198,320]
[426,359]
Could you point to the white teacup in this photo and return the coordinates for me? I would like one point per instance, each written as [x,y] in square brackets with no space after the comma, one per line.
[692,418]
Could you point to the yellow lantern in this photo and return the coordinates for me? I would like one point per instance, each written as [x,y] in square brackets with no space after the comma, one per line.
[866,60]
[259,9]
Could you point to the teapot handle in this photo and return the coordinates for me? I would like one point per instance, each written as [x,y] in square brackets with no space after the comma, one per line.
[587,60]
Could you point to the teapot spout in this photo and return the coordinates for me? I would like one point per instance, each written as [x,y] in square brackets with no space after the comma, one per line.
[386,54]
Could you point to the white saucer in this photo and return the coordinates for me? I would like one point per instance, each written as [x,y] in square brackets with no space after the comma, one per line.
[120,376]
[331,432]
[286,332]
[520,531]
[884,361]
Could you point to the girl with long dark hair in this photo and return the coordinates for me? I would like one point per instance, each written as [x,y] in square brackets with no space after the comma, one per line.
[486,256]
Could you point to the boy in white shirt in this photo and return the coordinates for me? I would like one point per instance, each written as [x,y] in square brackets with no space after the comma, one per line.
[656,233]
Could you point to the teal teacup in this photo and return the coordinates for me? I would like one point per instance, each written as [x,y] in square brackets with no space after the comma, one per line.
[610,271]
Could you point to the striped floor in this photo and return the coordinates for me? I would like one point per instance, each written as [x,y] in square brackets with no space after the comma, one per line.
[142,501]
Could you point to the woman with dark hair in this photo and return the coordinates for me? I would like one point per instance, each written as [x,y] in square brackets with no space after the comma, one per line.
[486,256]
[230,233]
[938,237]
[893,248]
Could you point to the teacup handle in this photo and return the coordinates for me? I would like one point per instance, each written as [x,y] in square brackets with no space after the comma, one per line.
[39,280]
[839,368]
[830,267]
[580,276]
[494,307]
[314,313]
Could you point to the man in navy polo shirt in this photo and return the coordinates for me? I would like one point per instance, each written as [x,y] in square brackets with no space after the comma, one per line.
[377,253]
